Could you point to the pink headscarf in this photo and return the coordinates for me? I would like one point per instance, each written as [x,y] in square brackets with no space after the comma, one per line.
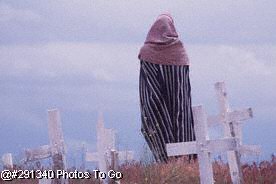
[162,45]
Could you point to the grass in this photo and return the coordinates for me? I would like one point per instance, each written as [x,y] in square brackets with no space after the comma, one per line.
[181,171]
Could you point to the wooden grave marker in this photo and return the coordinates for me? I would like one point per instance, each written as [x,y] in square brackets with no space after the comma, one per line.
[232,122]
[113,164]
[7,161]
[106,143]
[55,149]
[203,146]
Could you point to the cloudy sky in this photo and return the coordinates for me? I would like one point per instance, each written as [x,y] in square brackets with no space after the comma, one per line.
[81,56]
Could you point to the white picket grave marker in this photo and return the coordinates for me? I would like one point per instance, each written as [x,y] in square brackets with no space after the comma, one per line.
[106,143]
[203,147]
[7,161]
[55,150]
[231,121]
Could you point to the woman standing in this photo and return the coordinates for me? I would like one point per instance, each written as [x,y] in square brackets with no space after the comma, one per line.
[165,92]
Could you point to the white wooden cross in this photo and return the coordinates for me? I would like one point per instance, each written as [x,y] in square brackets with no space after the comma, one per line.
[106,143]
[55,149]
[231,121]
[7,161]
[203,146]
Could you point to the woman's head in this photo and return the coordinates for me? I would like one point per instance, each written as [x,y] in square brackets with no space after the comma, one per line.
[165,14]
[162,31]
[162,45]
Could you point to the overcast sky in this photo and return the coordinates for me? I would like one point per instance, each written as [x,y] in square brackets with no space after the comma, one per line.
[81,56]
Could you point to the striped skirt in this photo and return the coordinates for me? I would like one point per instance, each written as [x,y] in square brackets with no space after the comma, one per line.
[165,103]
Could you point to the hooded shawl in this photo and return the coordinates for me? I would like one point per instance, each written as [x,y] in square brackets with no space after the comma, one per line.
[162,45]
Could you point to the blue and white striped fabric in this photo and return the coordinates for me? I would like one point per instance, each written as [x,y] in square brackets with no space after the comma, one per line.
[166,110]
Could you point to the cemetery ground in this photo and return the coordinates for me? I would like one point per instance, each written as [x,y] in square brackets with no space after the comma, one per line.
[181,171]
[178,170]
